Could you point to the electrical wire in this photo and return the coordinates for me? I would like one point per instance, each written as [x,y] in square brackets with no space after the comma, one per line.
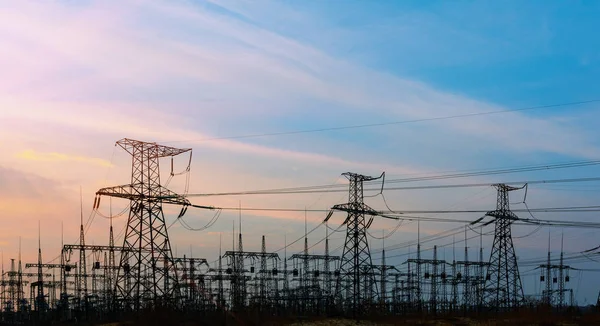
[400,222]
[328,188]
[212,221]
[532,216]
[302,237]
[383,124]
[121,213]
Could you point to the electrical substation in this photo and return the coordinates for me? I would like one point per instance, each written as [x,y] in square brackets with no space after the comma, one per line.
[140,273]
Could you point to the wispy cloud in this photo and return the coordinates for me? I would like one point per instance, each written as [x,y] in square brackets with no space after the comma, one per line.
[32,155]
[255,64]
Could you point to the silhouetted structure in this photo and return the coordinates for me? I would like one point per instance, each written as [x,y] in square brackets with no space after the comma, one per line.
[140,278]
[503,288]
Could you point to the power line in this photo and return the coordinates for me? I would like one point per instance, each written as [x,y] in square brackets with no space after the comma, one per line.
[569,209]
[448,175]
[317,189]
[383,124]
[521,221]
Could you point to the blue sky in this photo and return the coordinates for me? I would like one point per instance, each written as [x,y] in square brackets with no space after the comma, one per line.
[78,77]
[524,50]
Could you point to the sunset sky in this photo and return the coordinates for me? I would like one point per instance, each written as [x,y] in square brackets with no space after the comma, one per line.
[76,76]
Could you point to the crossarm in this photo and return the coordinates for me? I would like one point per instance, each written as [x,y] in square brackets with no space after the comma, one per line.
[130,192]
[152,149]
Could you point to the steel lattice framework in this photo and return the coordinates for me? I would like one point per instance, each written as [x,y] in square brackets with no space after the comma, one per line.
[503,288]
[141,280]
[356,266]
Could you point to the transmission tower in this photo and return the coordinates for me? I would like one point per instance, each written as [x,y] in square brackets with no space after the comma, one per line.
[146,243]
[82,290]
[356,265]
[40,303]
[20,294]
[221,298]
[237,261]
[110,271]
[503,288]
[263,270]
[327,285]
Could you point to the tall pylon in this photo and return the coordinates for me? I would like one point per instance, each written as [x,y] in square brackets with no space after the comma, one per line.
[356,265]
[327,267]
[82,290]
[238,278]
[221,298]
[305,275]
[286,279]
[503,288]
[264,272]
[140,278]
[240,285]
[110,272]
[40,302]
[21,307]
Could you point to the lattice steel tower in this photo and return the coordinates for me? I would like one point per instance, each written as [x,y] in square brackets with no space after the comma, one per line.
[356,265]
[503,287]
[141,280]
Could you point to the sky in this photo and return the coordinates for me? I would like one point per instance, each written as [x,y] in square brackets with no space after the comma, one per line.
[79,75]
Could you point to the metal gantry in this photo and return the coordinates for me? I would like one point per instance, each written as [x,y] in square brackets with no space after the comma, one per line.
[555,276]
